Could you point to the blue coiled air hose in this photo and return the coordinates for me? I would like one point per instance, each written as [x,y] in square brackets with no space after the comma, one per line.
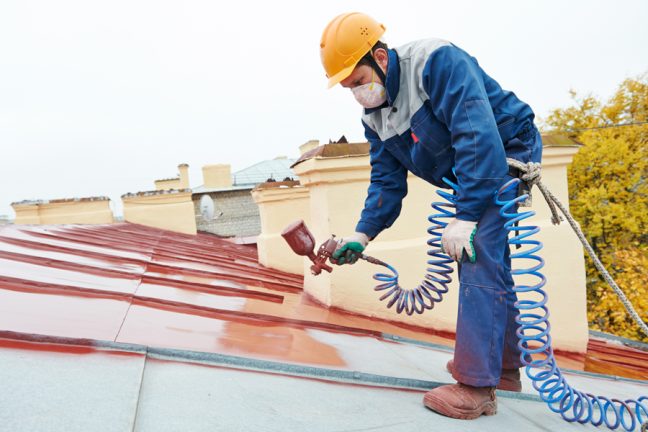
[535,338]
[534,328]
[437,278]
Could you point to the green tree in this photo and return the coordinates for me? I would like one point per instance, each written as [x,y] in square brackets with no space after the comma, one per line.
[608,195]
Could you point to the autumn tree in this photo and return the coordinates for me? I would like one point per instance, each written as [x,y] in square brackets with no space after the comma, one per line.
[608,195]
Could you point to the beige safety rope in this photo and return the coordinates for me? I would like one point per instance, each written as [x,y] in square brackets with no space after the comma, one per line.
[532,177]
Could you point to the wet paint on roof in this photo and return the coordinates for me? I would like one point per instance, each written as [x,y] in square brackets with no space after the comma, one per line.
[67,290]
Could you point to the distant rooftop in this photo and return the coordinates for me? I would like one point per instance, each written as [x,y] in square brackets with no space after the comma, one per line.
[62,200]
[277,169]
[557,139]
[155,192]
[203,189]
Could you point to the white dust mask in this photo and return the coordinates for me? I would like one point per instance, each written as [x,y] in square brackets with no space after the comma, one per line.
[370,95]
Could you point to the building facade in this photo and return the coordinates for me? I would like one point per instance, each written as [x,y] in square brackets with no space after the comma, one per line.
[224,205]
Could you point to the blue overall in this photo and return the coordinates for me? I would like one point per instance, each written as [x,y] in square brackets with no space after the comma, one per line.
[443,112]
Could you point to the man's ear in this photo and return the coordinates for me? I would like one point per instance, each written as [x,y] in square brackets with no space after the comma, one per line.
[381,57]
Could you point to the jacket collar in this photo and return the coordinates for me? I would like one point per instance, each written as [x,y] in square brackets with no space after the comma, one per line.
[391,82]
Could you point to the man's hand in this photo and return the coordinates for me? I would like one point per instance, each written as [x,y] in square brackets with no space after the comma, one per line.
[458,237]
[350,248]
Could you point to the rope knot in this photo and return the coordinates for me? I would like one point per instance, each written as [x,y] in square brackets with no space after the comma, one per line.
[531,176]
[532,172]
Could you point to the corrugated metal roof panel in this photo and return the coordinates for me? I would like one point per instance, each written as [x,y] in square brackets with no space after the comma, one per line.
[202,299]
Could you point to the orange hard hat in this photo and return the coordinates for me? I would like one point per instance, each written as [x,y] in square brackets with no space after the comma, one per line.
[345,41]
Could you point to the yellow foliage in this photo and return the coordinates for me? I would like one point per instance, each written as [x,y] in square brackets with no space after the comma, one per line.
[608,183]
[607,313]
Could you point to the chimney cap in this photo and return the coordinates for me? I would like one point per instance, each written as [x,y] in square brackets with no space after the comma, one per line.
[335,150]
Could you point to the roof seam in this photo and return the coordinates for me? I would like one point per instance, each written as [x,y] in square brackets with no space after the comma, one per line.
[139,390]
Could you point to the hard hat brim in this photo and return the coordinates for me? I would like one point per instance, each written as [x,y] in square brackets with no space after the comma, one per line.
[344,73]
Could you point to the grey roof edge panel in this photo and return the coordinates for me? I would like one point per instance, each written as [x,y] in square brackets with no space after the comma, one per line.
[342,376]
[224,360]
[267,366]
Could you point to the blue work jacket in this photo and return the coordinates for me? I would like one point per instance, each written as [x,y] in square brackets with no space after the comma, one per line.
[442,111]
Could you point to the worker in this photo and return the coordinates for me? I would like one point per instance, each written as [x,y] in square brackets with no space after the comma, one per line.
[430,109]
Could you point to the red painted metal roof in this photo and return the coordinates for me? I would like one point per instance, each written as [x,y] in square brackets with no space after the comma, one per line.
[134,284]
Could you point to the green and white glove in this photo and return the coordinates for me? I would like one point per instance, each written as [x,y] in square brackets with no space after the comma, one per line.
[458,237]
[350,248]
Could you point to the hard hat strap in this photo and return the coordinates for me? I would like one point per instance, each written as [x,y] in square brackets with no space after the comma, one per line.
[374,65]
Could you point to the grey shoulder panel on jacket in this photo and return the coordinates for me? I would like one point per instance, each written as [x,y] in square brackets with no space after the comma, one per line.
[420,50]
[412,58]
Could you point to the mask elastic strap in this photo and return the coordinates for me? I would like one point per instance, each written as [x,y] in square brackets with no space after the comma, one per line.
[376,68]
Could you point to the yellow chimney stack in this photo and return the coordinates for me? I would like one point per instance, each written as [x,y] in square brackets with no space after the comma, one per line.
[183,170]
[308,146]
[218,176]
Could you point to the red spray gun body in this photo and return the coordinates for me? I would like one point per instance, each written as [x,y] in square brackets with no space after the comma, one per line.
[302,242]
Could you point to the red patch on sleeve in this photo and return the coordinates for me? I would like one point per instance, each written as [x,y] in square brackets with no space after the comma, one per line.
[415,138]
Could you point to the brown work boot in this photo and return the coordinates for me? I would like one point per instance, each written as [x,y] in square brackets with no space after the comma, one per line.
[509,380]
[461,401]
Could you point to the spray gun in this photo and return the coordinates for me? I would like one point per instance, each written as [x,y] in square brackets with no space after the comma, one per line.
[302,242]
[410,301]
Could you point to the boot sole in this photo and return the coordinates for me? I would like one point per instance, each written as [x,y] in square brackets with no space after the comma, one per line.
[440,406]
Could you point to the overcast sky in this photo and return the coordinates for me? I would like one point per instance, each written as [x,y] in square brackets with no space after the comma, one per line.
[104,97]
